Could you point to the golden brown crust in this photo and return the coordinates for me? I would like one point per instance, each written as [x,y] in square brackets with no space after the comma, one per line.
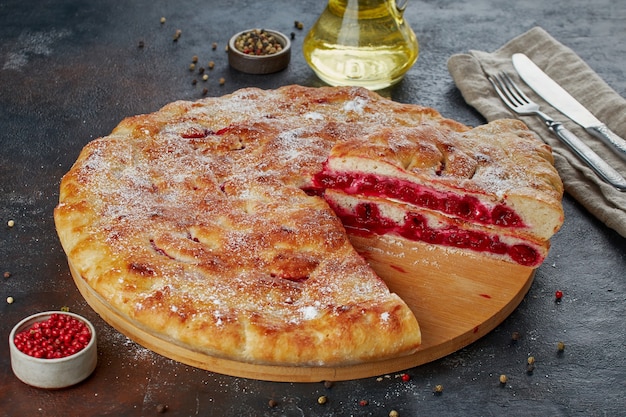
[192,222]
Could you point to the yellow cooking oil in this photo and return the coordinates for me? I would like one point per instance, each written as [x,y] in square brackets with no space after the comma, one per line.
[364,43]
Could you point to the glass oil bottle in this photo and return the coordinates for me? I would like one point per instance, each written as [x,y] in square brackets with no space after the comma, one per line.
[363,43]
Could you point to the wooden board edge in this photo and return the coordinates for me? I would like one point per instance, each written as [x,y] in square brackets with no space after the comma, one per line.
[284,373]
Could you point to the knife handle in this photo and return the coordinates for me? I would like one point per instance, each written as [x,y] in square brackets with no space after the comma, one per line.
[607,136]
[592,159]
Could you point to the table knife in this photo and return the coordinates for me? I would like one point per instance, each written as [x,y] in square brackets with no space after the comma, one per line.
[561,100]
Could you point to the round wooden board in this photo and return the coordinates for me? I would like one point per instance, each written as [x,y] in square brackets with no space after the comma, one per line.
[456,297]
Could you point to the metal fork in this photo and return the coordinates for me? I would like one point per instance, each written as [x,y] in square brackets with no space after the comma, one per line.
[517,101]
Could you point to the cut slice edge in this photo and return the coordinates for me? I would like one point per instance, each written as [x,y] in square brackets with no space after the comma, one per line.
[382,216]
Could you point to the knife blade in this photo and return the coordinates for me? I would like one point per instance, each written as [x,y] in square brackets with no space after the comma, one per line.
[561,100]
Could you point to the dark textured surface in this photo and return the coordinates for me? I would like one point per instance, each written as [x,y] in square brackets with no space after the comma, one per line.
[71,70]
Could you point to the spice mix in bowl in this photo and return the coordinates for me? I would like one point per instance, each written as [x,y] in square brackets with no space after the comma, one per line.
[259,51]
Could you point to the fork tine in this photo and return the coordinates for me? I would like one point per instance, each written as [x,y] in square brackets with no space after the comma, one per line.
[519,94]
[500,89]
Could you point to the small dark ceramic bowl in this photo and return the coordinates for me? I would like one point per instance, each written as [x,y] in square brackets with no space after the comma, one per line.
[260,64]
[52,373]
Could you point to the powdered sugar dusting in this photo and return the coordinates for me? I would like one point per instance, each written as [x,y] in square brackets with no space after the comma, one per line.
[496,179]
[355,105]
[309,312]
[30,44]
[314,116]
[204,203]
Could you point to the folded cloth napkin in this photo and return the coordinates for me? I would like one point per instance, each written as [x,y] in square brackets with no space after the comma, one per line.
[470,72]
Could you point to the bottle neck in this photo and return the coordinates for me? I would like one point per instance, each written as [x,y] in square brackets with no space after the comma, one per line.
[364,9]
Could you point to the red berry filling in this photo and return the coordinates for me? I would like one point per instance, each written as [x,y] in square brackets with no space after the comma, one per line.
[59,336]
[464,207]
[196,133]
[415,227]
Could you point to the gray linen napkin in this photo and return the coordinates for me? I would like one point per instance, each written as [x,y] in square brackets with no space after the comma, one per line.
[470,72]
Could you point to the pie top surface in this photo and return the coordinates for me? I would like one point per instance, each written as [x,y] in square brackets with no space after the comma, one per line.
[198,224]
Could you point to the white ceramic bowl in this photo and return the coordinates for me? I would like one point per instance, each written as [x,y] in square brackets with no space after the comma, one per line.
[52,373]
[260,64]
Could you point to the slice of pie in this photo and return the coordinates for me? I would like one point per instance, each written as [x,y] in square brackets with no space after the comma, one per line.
[491,189]
[216,225]
[388,217]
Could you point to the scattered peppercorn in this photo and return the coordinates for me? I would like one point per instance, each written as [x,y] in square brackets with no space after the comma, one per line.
[161,408]
[11,223]
[194,81]
[205,91]
[141,44]
[272,403]
[515,336]
[192,66]
[211,65]
[394,413]
[201,70]
[322,399]
[558,295]
[65,309]
[194,59]
[205,77]
[177,34]
[258,42]
[530,366]
[7,274]
[438,390]
[560,346]
[328,384]
[162,20]
[214,46]
[222,81]
[10,300]
[293,35]
[298,25]
[503,379]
